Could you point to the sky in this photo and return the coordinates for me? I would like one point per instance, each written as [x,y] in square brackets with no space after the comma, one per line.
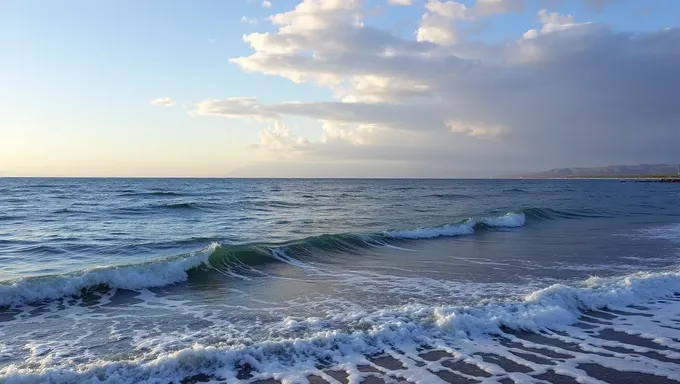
[336,88]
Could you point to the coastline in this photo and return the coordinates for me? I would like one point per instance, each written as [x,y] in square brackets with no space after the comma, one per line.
[634,178]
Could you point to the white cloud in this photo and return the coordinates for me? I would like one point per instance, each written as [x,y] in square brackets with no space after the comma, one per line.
[400,2]
[551,22]
[449,9]
[554,19]
[438,24]
[236,107]
[436,29]
[163,102]
[481,8]
[248,20]
[279,139]
[266,4]
[476,129]
[564,94]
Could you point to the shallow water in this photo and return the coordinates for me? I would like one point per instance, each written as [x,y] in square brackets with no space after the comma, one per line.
[297,280]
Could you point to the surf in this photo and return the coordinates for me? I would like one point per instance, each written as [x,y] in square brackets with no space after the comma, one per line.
[238,259]
[229,257]
[553,319]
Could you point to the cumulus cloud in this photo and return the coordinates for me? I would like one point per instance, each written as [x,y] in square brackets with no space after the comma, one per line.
[437,29]
[279,139]
[569,93]
[449,9]
[438,24]
[163,102]
[400,2]
[551,22]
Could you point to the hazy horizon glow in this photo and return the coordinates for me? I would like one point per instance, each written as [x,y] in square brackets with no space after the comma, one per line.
[336,88]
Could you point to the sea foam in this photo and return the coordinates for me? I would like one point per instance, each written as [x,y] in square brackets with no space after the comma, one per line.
[402,331]
[146,275]
[167,271]
[467,227]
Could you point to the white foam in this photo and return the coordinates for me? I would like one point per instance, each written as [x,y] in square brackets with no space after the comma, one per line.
[404,329]
[170,271]
[154,274]
[466,228]
[509,220]
[667,232]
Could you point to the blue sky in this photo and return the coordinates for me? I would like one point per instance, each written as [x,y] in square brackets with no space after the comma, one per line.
[77,82]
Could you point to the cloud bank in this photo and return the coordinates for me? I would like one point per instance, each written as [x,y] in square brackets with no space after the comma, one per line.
[563,93]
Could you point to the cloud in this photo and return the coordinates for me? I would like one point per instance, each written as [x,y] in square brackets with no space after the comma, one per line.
[400,2]
[438,24]
[163,102]
[437,29]
[476,129]
[570,93]
[248,20]
[449,9]
[238,107]
[266,4]
[551,22]
[279,140]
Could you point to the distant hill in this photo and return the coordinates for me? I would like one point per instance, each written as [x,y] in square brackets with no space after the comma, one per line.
[608,171]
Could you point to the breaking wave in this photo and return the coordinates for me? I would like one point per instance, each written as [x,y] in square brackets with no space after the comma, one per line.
[393,331]
[230,258]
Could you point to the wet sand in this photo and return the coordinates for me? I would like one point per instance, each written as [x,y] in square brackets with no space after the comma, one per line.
[601,346]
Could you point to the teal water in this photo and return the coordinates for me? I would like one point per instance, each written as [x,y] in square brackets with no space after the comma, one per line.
[156,280]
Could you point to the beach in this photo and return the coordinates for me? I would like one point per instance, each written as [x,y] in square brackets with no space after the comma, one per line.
[339,281]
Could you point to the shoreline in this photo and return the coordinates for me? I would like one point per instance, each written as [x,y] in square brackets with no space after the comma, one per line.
[644,179]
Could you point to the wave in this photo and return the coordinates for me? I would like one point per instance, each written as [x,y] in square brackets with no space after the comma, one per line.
[131,193]
[240,259]
[229,259]
[156,273]
[466,227]
[394,331]
[70,211]
[179,206]
[515,190]
[552,214]
[166,206]
[280,204]
[450,196]
[11,217]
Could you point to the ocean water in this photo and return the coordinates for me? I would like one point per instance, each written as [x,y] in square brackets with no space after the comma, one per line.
[336,281]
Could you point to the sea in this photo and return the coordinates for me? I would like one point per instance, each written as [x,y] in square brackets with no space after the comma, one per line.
[339,281]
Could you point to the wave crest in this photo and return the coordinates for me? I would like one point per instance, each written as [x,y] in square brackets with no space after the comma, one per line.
[466,227]
[402,330]
[230,258]
[156,273]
